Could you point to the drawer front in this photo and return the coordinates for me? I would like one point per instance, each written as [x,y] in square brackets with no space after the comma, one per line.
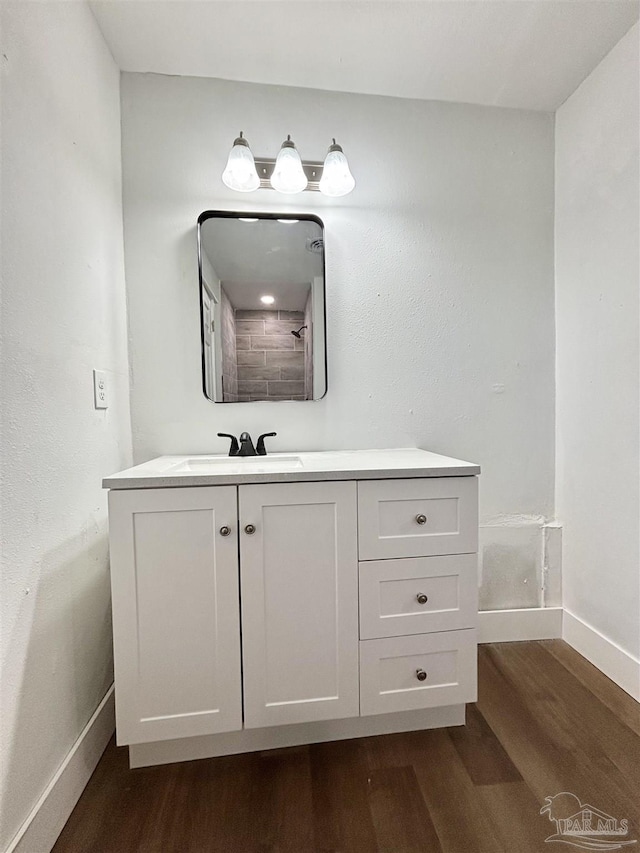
[417,596]
[417,518]
[423,671]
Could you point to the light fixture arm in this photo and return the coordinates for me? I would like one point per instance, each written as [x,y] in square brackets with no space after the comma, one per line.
[311,168]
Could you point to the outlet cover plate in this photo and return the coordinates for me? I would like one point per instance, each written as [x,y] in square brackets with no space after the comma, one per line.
[100,398]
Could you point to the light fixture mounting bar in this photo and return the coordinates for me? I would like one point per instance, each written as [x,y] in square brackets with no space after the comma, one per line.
[311,168]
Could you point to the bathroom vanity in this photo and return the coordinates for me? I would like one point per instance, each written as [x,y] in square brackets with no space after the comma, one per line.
[268,601]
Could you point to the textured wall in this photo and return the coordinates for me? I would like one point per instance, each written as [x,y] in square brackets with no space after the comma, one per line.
[439,281]
[597,300]
[63,314]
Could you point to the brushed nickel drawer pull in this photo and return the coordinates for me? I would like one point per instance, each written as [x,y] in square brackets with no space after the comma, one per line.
[225,531]
[421,519]
[421,598]
[421,675]
[250,528]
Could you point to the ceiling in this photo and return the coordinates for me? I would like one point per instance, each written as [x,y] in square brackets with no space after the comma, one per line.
[512,53]
[265,257]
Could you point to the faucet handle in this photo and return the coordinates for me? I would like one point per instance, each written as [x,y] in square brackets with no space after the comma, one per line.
[261,450]
[234,448]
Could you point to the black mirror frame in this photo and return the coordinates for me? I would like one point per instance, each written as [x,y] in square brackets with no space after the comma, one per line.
[231,214]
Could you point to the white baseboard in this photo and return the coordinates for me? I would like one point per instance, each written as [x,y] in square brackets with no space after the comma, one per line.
[44,824]
[617,664]
[506,626]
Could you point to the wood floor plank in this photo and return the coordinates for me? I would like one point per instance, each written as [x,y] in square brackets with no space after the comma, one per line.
[481,752]
[98,798]
[287,824]
[400,817]
[593,719]
[454,803]
[225,813]
[551,754]
[626,709]
[340,790]
[514,812]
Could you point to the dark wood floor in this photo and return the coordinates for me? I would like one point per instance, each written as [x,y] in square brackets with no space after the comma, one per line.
[546,722]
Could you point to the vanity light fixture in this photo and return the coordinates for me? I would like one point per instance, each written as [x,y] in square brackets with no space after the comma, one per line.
[267,300]
[288,174]
[240,173]
[336,177]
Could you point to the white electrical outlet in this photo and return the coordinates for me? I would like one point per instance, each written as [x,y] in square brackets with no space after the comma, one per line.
[100,398]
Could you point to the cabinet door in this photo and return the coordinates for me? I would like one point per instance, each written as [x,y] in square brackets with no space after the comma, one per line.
[299,590]
[176,620]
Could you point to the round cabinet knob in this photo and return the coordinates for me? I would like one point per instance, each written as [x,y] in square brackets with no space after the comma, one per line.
[422,598]
[421,675]
[250,528]
[225,531]
[421,519]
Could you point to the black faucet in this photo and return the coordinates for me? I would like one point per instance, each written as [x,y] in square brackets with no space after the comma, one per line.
[246,445]
[246,448]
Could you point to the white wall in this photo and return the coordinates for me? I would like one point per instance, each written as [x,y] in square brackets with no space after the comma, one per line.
[439,275]
[597,286]
[63,314]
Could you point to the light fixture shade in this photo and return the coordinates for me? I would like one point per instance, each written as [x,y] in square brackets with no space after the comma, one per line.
[288,175]
[336,177]
[240,172]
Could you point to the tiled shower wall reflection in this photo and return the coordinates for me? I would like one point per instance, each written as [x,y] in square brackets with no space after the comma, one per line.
[271,361]
[308,350]
[229,358]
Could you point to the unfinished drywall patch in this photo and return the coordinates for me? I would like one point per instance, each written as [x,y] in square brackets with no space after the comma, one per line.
[520,563]
[511,566]
[552,566]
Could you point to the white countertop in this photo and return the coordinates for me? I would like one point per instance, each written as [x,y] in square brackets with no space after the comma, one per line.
[214,470]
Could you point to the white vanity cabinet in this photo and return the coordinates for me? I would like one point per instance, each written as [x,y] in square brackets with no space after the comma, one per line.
[267,608]
[175,572]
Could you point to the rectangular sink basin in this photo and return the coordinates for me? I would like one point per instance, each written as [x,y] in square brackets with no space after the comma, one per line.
[237,464]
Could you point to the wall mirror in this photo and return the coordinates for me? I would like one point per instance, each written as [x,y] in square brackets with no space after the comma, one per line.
[262,306]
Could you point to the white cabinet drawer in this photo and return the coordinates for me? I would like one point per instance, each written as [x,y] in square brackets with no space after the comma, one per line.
[417,518]
[419,595]
[423,671]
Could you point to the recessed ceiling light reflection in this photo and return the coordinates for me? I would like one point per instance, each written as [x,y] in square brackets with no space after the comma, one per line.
[246,219]
[288,221]
[267,300]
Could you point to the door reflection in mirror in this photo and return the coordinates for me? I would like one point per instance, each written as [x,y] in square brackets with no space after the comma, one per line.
[262,306]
